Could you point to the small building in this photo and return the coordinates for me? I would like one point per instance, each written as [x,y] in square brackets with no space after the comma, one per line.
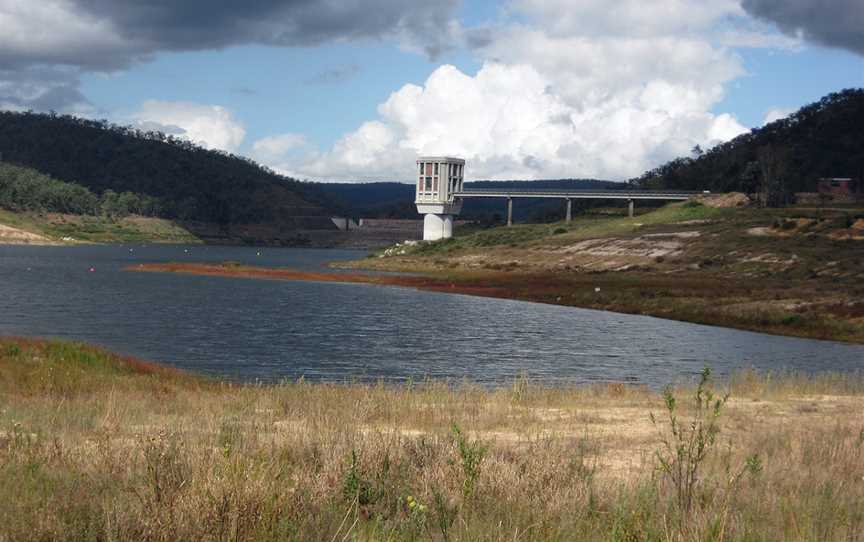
[439,178]
[840,187]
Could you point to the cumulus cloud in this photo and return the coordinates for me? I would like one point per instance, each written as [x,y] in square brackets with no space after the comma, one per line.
[277,145]
[210,126]
[509,124]
[583,89]
[776,113]
[835,23]
[279,151]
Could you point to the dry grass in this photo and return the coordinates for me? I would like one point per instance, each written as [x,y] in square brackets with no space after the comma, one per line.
[94,446]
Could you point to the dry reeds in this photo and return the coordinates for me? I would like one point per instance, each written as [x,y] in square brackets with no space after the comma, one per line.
[94,447]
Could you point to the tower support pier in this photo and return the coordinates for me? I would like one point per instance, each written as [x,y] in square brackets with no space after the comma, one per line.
[437,227]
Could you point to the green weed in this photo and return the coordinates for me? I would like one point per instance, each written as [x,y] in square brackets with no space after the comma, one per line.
[688,443]
[471,454]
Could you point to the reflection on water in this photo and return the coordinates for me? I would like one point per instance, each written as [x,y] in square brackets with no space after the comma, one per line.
[269,330]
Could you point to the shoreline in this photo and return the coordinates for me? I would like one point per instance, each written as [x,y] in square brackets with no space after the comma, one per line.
[57,229]
[420,282]
[587,291]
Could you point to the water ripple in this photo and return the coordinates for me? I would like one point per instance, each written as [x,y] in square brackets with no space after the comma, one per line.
[271,330]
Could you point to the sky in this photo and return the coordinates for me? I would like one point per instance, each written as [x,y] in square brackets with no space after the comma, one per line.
[355,90]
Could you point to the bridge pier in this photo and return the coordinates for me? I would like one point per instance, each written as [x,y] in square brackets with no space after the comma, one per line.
[629,196]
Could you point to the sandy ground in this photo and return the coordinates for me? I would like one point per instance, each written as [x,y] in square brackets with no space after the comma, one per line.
[623,439]
[14,236]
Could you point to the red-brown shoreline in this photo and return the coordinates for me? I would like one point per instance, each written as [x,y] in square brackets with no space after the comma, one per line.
[610,292]
[408,281]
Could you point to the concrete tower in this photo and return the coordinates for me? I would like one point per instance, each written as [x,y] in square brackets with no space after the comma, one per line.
[438,178]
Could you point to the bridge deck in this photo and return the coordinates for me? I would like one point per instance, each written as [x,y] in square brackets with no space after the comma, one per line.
[577,194]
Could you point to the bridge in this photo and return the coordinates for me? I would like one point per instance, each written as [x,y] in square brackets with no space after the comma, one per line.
[569,195]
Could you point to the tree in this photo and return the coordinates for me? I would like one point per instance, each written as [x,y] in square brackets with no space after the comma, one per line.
[773,164]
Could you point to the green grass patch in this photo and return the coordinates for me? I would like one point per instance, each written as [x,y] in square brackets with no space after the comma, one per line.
[582,227]
[99,229]
[32,366]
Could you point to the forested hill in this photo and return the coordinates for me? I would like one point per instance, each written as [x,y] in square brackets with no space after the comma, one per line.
[823,139]
[189,182]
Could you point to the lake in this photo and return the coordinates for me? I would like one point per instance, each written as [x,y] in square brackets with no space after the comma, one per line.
[270,330]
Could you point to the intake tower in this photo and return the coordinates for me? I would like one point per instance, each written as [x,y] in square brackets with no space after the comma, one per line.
[438,179]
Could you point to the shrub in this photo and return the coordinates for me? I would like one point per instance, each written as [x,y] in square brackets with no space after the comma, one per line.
[471,455]
[687,445]
[355,487]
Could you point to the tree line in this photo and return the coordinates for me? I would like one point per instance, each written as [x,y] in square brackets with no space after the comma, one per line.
[822,139]
[25,189]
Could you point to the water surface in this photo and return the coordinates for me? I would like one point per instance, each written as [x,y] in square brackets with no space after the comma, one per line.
[269,330]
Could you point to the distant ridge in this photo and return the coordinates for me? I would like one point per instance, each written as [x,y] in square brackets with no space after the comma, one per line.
[396,200]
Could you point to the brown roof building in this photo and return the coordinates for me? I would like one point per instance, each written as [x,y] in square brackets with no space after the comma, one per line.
[840,186]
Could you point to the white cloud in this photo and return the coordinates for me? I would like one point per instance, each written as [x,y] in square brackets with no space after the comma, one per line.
[371,152]
[756,37]
[508,123]
[587,89]
[634,18]
[777,113]
[210,126]
[281,152]
[276,146]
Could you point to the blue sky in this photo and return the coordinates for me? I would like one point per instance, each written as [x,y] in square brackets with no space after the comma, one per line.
[521,88]
[789,80]
[300,87]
